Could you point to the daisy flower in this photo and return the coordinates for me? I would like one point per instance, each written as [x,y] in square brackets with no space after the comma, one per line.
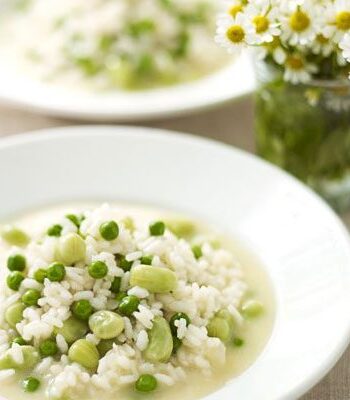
[299,24]
[273,48]
[322,46]
[298,70]
[235,34]
[264,18]
[345,46]
[337,20]
[232,7]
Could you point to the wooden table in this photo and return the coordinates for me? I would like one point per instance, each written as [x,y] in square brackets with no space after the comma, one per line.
[232,124]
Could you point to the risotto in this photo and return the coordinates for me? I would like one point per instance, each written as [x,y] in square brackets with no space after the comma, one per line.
[122,301]
[128,44]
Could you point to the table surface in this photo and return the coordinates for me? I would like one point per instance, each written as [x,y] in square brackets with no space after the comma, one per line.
[232,124]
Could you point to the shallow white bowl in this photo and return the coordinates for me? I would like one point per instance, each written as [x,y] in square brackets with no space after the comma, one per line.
[20,90]
[303,245]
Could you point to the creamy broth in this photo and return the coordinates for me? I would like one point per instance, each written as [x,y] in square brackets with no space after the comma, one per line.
[255,332]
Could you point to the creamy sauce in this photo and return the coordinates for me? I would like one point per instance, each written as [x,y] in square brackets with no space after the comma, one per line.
[255,332]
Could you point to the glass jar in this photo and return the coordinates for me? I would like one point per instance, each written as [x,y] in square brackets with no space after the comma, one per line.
[305,129]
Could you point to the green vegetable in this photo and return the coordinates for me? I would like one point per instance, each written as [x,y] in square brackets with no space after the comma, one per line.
[72,330]
[77,220]
[225,314]
[84,353]
[14,236]
[98,269]
[109,230]
[120,296]
[14,314]
[115,286]
[16,262]
[181,228]
[82,309]
[128,305]
[123,263]
[177,317]
[14,280]
[56,272]
[106,324]
[177,343]
[220,328]
[48,348]
[31,297]
[40,275]
[55,230]
[160,345]
[252,309]
[197,251]
[238,342]
[157,228]
[146,260]
[146,383]
[154,279]
[71,249]
[30,384]
[30,359]
[19,340]
[105,346]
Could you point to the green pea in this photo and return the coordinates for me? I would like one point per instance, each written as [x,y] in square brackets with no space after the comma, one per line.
[31,297]
[72,330]
[123,263]
[14,236]
[146,383]
[252,309]
[157,228]
[120,296]
[197,251]
[55,230]
[181,228]
[76,219]
[14,280]
[105,346]
[109,230]
[177,343]
[238,342]
[40,275]
[84,353]
[56,272]
[14,314]
[30,384]
[160,345]
[19,340]
[71,249]
[16,262]
[220,328]
[177,317]
[106,324]
[48,348]
[82,309]
[128,305]
[115,286]
[154,279]
[146,260]
[98,270]
[30,359]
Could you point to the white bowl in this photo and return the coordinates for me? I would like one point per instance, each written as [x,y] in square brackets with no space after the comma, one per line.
[232,82]
[303,245]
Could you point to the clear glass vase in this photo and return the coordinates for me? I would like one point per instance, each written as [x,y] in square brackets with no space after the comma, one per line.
[305,129]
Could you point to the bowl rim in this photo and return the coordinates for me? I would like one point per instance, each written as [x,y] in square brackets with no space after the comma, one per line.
[52,134]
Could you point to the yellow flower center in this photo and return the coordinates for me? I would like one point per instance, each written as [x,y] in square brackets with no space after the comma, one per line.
[294,62]
[342,20]
[299,21]
[234,10]
[261,23]
[235,34]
